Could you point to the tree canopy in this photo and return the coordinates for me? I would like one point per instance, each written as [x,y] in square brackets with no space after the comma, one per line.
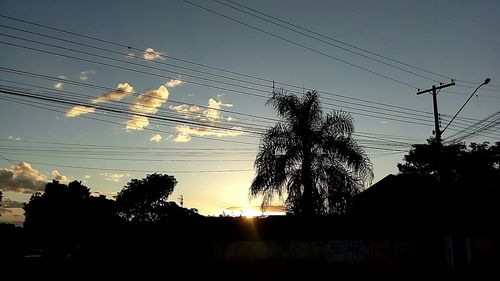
[64,205]
[310,158]
[145,200]
[454,164]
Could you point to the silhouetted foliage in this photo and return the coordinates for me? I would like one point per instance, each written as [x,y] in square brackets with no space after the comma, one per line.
[1,197]
[454,182]
[145,200]
[67,206]
[310,158]
[477,165]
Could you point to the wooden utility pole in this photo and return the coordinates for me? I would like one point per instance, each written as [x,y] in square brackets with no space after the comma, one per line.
[434,91]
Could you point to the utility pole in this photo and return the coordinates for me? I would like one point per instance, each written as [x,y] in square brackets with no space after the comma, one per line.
[434,91]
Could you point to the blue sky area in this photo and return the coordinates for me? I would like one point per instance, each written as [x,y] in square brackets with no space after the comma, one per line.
[211,69]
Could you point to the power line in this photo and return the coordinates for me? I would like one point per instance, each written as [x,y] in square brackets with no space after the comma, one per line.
[134,170]
[121,124]
[323,41]
[183,60]
[168,64]
[301,45]
[357,113]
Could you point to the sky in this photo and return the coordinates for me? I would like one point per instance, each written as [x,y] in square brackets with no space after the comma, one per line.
[180,87]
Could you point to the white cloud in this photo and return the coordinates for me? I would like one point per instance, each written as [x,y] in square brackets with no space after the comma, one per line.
[213,111]
[182,137]
[22,178]
[147,103]
[185,132]
[112,176]
[122,90]
[137,123]
[61,77]
[14,138]
[79,110]
[173,83]
[150,101]
[84,75]
[58,177]
[58,85]
[151,54]
[155,138]
[86,177]
[187,110]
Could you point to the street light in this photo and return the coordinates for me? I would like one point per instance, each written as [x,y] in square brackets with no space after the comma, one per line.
[486,81]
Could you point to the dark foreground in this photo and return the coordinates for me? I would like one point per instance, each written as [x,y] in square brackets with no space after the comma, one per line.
[274,248]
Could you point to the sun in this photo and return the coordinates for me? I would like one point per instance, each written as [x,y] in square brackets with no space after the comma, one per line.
[249,212]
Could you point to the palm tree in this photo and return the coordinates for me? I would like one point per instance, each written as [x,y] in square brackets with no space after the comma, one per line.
[311,159]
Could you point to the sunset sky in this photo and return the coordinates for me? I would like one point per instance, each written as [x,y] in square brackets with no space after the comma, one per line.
[180,87]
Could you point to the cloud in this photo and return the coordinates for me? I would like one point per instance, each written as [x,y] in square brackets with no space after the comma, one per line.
[147,103]
[79,110]
[12,211]
[182,137]
[84,75]
[187,110]
[151,54]
[137,123]
[58,85]
[213,111]
[150,101]
[86,177]
[173,83]
[122,90]
[22,178]
[61,77]
[9,203]
[58,177]
[112,176]
[156,138]
[185,132]
[14,138]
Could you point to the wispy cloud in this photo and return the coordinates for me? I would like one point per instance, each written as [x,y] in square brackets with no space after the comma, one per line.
[182,137]
[122,90]
[22,178]
[84,75]
[78,110]
[213,110]
[147,103]
[210,116]
[188,111]
[58,177]
[151,54]
[137,123]
[112,176]
[185,132]
[155,138]
[173,83]
[58,85]
[150,101]
[11,210]
[9,203]
[13,138]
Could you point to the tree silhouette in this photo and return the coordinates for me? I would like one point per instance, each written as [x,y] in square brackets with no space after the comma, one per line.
[464,179]
[454,164]
[145,200]
[60,205]
[311,158]
[1,197]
